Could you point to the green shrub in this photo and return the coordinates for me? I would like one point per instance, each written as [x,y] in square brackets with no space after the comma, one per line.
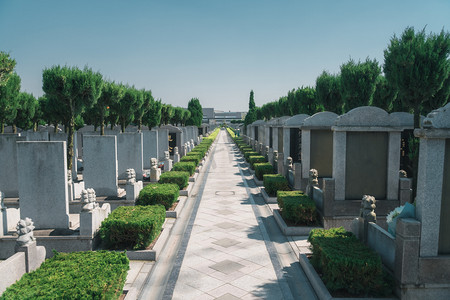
[262,168]
[180,178]
[247,154]
[76,275]
[196,155]
[281,195]
[346,263]
[188,158]
[165,194]
[200,151]
[299,210]
[186,166]
[256,159]
[274,183]
[132,226]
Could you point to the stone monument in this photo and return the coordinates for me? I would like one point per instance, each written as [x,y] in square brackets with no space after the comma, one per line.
[312,182]
[176,155]
[167,162]
[155,171]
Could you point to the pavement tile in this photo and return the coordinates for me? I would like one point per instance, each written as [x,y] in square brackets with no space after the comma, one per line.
[227,290]
[226,242]
[227,266]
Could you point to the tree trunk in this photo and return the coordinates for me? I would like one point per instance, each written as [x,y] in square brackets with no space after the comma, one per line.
[14,128]
[140,124]
[122,125]
[70,143]
[35,126]
[3,128]
[56,128]
[102,128]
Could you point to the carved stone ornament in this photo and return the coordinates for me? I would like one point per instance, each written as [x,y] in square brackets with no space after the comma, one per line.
[368,208]
[131,176]
[25,232]
[154,163]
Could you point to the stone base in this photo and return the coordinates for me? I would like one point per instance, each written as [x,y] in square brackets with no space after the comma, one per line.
[291,230]
[267,199]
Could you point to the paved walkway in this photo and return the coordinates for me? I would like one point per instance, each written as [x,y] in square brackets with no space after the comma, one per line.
[228,249]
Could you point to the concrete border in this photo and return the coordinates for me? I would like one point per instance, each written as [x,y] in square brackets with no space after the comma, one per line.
[257,181]
[188,190]
[176,212]
[291,230]
[267,199]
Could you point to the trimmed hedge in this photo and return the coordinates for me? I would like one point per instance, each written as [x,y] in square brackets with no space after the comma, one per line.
[299,210]
[76,275]
[274,183]
[281,195]
[193,159]
[132,226]
[165,194]
[186,166]
[200,151]
[247,154]
[346,263]
[180,178]
[256,159]
[262,168]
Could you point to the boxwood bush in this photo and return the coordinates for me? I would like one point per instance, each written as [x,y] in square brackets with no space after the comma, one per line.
[181,178]
[193,159]
[195,155]
[76,275]
[165,194]
[247,154]
[281,195]
[187,166]
[299,210]
[200,151]
[346,263]
[262,168]
[274,183]
[132,226]
[256,159]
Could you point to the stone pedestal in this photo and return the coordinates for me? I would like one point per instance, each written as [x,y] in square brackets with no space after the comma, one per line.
[90,221]
[133,190]
[168,165]
[297,176]
[280,163]
[34,255]
[155,174]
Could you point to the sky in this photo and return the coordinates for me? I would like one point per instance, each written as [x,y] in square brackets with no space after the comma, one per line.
[213,50]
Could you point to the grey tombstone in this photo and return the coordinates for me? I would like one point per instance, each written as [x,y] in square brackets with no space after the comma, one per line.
[155,171]
[42,170]
[317,144]
[100,164]
[8,165]
[433,183]
[366,138]
[292,137]
[176,137]
[37,136]
[130,154]
[163,142]
[150,146]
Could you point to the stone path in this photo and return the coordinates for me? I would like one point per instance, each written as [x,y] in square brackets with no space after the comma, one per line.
[227,250]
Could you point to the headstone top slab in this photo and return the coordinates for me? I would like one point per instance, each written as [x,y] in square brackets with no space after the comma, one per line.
[296,121]
[439,118]
[321,119]
[365,116]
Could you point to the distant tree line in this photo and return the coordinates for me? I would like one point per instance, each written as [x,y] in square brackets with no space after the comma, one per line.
[416,79]
[74,97]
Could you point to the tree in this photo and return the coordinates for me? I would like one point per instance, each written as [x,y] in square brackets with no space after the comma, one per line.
[177,116]
[7,65]
[27,107]
[196,110]
[9,100]
[358,82]
[130,101]
[166,113]
[147,101]
[307,103]
[385,95]
[250,117]
[185,117]
[99,113]
[73,90]
[328,92]
[153,116]
[417,66]
[251,102]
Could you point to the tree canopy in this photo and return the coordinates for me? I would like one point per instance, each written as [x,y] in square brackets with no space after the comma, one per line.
[196,110]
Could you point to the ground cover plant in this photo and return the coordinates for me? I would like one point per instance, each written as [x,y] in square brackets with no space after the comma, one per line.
[261,169]
[297,208]
[347,264]
[165,194]
[76,275]
[256,159]
[132,227]
[181,178]
[274,183]
[186,166]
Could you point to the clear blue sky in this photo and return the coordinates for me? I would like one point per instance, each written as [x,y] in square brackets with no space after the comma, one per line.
[215,50]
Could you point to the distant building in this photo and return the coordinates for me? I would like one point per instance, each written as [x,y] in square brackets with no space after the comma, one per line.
[212,116]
